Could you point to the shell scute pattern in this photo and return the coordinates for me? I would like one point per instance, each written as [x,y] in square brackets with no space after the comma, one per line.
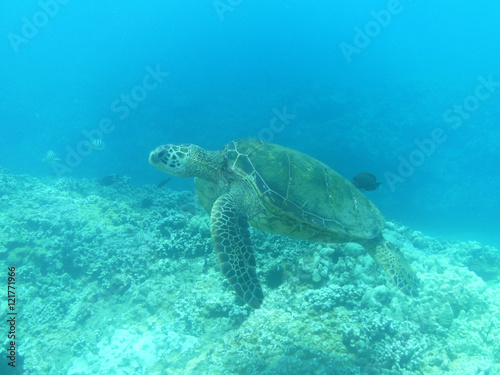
[310,194]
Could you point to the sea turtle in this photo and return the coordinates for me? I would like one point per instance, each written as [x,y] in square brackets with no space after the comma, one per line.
[280,190]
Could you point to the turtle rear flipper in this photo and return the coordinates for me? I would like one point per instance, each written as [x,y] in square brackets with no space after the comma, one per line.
[233,247]
[392,261]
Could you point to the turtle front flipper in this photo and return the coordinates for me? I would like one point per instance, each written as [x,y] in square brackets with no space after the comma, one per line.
[392,261]
[231,239]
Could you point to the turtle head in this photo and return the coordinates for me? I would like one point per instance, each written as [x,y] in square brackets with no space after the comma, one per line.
[174,159]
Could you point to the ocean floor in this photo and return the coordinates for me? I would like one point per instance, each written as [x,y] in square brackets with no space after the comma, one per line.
[123,280]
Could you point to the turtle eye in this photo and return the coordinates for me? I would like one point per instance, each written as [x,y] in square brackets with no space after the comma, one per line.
[161,154]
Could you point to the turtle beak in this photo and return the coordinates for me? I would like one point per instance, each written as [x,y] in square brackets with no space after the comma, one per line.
[153,159]
[157,157]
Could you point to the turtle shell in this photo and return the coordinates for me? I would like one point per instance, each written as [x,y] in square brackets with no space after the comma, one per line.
[300,196]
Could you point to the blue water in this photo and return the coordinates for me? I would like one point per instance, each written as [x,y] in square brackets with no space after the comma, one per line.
[358,86]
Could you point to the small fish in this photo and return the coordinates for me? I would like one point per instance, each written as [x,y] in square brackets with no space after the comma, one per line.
[366,181]
[51,157]
[146,203]
[164,182]
[98,144]
[110,180]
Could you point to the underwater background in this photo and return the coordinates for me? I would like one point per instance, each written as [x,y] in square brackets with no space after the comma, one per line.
[118,276]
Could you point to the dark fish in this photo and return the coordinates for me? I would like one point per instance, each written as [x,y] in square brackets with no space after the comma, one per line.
[365,181]
[146,203]
[164,182]
[109,180]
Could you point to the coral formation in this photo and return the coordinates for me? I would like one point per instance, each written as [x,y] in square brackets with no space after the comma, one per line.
[119,279]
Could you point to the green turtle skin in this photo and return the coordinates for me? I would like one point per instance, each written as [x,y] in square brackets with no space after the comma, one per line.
[280,190]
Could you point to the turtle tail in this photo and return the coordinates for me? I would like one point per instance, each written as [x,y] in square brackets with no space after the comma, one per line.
[391,259]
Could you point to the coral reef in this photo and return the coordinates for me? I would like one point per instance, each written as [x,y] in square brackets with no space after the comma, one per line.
[120,279]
